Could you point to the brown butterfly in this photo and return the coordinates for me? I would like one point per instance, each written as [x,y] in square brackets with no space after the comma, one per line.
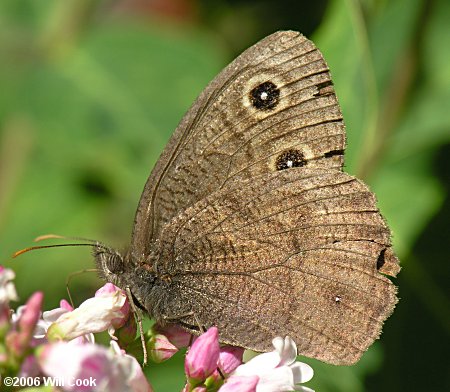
[248,223]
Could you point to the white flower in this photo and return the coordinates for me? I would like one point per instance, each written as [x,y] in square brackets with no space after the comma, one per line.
[277,370]
[46,320]
[108,308]
[7,288]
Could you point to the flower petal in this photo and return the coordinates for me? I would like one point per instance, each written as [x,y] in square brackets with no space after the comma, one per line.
[302,372]
[7,288]
[111,371]
[93,315]
[258,365]
[176,335]
[240,384]
[286,348]
[130,367]
[230,358]
[201,359]
[279,380]
[160,348]
[110,290]
[301,388]
[65,305]
[277,370]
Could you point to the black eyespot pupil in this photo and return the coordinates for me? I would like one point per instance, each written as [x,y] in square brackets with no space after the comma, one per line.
[289,159]
[265,96]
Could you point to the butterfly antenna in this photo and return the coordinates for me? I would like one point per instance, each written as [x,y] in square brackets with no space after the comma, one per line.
[72,275]
[88,242]
[63,237]
[22,251]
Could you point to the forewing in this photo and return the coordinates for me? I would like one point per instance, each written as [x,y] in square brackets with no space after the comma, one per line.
[275,100]
[299,252]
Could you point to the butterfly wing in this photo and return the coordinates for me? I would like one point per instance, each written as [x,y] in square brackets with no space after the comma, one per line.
[273,105]
[257,229]
[299,252]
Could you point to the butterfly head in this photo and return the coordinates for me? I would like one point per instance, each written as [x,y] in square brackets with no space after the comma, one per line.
[122,270]
[110,264]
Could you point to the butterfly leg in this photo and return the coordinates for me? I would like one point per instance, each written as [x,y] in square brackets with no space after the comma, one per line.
[138,317]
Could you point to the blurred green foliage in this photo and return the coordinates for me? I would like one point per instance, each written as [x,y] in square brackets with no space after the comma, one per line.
[91,91]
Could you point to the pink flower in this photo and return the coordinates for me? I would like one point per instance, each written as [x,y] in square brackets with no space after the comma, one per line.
[160,349]
[31,314]
[63,304]
[29,367]
[277,370]
[19,340]
[102,369]
[201,359]
[240,384]
[96,314]
[106,291]
[230,358]
[47,319]
[50,316]
[176,335]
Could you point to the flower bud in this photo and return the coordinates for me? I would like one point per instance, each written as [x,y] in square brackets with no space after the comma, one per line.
[202,357]
[160,349]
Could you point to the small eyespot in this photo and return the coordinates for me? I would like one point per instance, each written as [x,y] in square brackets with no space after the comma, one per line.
[290,158]
[265,96]
[337,299]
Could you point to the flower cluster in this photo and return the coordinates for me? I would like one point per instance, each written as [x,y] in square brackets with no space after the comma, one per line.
[60,343]
[210,367]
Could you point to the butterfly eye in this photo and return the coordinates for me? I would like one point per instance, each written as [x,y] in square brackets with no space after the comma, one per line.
[114,264]
[265,96]
[290,158]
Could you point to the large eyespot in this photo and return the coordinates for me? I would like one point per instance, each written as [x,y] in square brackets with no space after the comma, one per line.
[265,96]
[290,158]
[114,263]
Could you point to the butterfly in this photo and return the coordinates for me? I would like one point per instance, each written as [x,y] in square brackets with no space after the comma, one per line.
[248,222]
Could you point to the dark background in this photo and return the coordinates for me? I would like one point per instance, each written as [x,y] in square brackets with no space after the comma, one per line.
[90,91]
